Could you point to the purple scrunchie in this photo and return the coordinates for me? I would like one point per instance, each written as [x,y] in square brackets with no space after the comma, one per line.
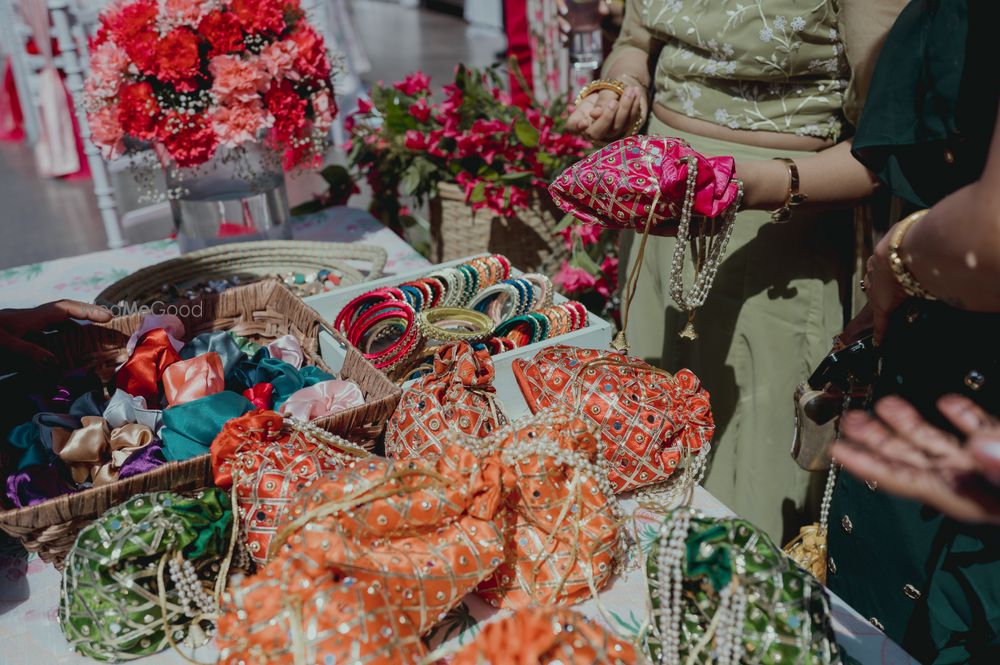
[145,459]
[36,484]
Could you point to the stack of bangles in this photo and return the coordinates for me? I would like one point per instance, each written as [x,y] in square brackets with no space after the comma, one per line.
[552,321]
[513,297]
[476,301]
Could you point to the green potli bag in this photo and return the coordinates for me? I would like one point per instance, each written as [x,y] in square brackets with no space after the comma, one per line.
[722,592]
[147,574]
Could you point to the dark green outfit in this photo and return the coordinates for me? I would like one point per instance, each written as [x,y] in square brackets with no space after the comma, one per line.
[931,583]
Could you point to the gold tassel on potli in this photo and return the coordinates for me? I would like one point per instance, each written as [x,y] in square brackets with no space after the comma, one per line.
[808,550]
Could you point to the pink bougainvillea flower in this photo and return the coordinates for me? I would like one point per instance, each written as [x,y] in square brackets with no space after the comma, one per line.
[414,84]
[573,280]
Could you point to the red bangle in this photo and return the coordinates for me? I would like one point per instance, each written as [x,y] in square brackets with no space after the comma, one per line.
[384,310]
[347,316]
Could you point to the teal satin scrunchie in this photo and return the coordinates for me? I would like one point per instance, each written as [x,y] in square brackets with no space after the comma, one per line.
[189,429]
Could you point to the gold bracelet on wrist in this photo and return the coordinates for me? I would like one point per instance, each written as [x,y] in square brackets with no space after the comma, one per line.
[615,86]
[794,197]
[899,268]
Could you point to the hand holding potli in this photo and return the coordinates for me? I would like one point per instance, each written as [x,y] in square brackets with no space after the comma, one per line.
[647,183]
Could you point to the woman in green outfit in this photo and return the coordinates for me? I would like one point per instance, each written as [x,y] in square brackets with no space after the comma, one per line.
[931,582]
[756,80]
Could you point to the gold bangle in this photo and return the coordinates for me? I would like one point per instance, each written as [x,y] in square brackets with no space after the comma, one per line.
[480,326]
[899,268]
[794,198]
[616,86]
[598,85]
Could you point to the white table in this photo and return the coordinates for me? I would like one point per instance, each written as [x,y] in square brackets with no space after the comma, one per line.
[29,591]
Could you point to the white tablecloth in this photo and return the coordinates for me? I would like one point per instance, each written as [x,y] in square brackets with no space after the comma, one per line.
[29,590]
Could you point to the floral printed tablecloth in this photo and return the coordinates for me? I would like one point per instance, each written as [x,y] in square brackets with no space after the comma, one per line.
[83,277]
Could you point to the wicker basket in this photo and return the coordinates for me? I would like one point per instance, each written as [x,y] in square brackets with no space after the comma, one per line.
[263,258]
[529,240]
[263,312]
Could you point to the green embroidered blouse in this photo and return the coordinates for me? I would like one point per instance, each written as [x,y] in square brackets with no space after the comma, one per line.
[766,65]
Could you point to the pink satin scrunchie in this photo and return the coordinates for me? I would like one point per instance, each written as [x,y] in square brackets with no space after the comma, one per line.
[287,349]
[322,399]
[188,380]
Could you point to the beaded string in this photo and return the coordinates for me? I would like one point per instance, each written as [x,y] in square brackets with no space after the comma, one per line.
[705,269]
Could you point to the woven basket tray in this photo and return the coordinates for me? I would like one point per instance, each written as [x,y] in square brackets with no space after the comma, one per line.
[262,258]
[263,312]
[529,240]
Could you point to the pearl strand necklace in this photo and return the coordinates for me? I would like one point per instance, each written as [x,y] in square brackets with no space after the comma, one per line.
[193,598]
[704,273]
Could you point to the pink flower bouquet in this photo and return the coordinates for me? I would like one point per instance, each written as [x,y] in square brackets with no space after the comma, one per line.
[191,76]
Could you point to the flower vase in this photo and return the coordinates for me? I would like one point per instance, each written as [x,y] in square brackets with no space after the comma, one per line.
[236,196]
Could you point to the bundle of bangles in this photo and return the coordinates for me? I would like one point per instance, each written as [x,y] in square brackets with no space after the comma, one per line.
[399,328]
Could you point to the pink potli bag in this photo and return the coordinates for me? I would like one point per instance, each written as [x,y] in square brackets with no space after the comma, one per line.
[658,184]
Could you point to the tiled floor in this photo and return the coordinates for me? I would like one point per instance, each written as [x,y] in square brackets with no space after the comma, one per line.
[44,219]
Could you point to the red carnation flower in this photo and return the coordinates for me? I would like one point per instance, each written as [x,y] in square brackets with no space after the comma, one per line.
[289,111]
[312,60]
[222,32]
[133,29]
[178,60]
[188,138]
[257,16]
[138,110]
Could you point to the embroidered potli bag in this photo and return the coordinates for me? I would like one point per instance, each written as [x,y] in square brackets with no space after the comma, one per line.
[147,574]
[424,530]
[650,422]
[647,183]
[722,592]
[266,460]
[546,636]
[457,394]
[298,610]
[563,530]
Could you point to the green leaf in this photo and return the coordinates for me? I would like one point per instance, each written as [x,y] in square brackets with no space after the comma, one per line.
[566,222]
[526,134]
[515,176]
[410,182]
[478,193]
[583,261]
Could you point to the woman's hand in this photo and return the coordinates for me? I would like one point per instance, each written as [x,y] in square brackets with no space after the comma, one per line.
[603,117]
[907,456]
[884,291]
[16,323]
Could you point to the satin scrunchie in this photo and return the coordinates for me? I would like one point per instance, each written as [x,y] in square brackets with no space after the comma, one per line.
[322,399]
[188,380]
[221,342]
[95,452]
[287,349]
[124,408]
[170,324]
[140,375]
[188,429]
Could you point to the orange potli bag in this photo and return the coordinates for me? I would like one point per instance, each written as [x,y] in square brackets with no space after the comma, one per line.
[457,394]
[651,422]
[546,636]
[564,534]
[298,610]
[266,460]
[423,531]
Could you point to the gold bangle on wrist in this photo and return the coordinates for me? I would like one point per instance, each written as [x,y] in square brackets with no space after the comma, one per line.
[465,325]
[616,86]
[899,268]
[794,197]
